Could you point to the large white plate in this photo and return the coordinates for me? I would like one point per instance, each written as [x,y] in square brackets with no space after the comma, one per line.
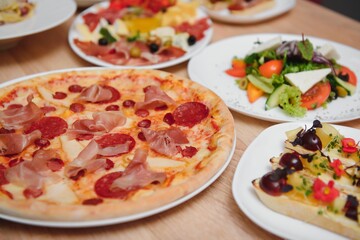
[208,69]
[281,6]
[48,14]
[196,48]
[254,164]
[110,221]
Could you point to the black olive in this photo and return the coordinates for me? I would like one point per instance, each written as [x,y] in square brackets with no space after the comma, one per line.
[191,40]
[103,41]
[153,47]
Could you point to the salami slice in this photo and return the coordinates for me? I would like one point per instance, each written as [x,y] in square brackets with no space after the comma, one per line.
[103,187]
[114,139]
[190,113]
[49,127]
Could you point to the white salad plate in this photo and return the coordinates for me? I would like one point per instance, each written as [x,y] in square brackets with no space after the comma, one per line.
[116,220]
[47,14]
[208,68]
[193,50]
[254,164]
[280,7]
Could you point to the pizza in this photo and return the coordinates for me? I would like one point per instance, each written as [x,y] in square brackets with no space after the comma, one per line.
[138,33]
[316,179]
[92,144]
[239,7]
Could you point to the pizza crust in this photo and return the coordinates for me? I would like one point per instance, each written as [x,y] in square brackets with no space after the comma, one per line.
[308,213]
[145,200]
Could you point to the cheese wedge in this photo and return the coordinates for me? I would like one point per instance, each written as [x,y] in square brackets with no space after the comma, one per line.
[271,44]
[305,80]
[329,51]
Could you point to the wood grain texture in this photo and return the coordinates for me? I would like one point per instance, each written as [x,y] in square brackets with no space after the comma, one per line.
[212,214]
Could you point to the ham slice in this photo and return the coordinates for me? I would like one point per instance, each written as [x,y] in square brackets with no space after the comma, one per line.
[101,122]
[14,143]
[137,174]
[33,175]
[154,97]
[92,49]
[17,117]
[87,158]
[95,93]
[165,141]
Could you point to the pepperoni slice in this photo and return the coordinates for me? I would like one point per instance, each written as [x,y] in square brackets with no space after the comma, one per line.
[92,201]
[14,162]
[49,127]
[6,131]
[169,119]
[190,113]
[103,187]
[55,164]
[115,95]
[109,164]
[42,143]
[189,151]
[32,193]
[114,139]
[128,103]
[142,112]
[77,107]
[141,136]
[146,123]
[112,108]
[59,95]
[47,109]
[75,88]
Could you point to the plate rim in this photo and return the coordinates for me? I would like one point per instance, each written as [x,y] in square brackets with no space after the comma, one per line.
[97,62]
[276,119]
[255,18]
[115,220]
[72,8]
[243,206]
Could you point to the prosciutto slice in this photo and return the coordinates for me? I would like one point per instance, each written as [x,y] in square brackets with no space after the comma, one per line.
[87,158]
[137,174]
[33,174]
[95,93]
[101,122]
[14,143]
[165,141]
[154,97]
[17,117]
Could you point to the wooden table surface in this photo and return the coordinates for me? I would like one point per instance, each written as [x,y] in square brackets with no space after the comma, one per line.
[212,214]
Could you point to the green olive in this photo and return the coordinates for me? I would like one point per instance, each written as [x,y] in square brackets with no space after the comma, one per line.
[242,82]
[135,52]
[341,91]
[168,43]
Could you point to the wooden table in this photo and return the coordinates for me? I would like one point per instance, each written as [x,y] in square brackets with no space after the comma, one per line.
[213,214]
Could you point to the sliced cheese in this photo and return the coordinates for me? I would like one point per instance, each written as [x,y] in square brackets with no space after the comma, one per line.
[329,51]
[59,193]
[163,163]
[271,44]
[48,96]
[72,148]
[305,80]
[120,28]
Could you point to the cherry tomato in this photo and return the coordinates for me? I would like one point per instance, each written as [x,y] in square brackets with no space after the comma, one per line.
[352,77]
[236,72]
[238,63]
[316,95]
[271,67]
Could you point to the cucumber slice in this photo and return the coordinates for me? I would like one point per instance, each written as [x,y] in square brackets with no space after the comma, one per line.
[265,86]
[348,86]
[273,99]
